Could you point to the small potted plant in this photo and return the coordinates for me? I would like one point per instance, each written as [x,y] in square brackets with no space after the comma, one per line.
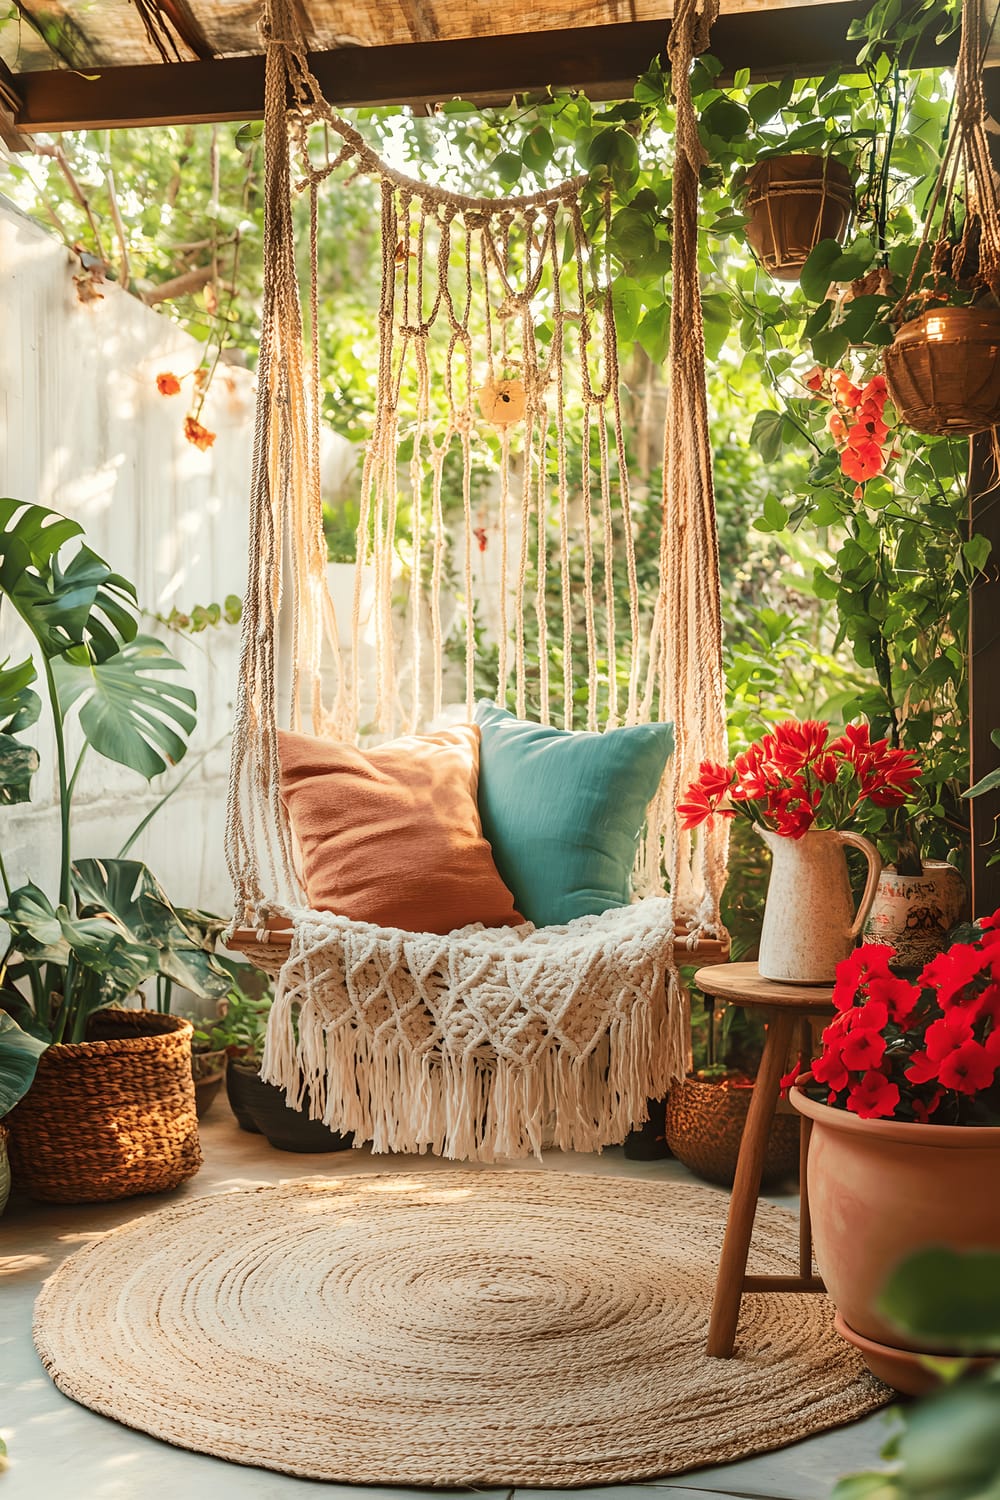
[260,1107]
[76,958]
[802,788]
[19,1054]
[904,1100]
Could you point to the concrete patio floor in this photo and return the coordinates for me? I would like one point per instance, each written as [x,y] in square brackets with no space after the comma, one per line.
[58,1449]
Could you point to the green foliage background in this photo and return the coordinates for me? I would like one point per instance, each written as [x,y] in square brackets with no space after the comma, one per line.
[834,604]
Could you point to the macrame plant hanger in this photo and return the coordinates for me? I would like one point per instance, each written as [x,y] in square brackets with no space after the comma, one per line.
[524,261]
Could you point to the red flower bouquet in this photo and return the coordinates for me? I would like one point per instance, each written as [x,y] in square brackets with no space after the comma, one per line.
[924,1051]
[797,777]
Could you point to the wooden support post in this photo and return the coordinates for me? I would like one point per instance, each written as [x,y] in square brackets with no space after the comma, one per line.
[984,673]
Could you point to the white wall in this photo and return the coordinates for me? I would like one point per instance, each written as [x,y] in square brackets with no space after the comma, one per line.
[84,430]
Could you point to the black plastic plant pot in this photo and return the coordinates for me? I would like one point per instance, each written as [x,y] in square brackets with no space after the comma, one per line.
[261,1107]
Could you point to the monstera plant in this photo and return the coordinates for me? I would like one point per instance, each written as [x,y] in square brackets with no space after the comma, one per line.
[109,927]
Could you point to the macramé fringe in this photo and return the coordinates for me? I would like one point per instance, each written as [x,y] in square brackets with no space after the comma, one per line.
[482,1045]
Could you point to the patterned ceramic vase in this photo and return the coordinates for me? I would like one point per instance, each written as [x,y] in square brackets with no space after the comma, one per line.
[810,924]
[913,913]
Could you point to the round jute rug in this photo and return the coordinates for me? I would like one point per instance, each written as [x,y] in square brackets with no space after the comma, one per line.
[446,1328]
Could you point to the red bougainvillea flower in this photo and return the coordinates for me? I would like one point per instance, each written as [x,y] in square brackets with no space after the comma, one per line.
[874,1097]
[168,385]
[968,1069]
[197,434]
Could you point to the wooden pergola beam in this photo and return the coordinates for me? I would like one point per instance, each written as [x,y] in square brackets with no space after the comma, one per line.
[603,61]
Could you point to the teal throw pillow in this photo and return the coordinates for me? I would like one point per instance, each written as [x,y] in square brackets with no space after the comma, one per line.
[563,810]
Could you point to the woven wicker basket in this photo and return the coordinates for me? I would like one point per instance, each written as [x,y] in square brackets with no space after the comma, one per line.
[792,203]
[110,1117]
[704,1127]
[4,1169]
[943,371]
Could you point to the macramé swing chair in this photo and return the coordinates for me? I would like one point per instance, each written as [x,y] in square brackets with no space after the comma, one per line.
[484,1042]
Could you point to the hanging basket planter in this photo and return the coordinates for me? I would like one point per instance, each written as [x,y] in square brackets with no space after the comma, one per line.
[792,203]
[943,371]
[110,1117]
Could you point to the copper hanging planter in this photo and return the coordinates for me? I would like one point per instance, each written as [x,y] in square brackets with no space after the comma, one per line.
[792,203]
[943,371]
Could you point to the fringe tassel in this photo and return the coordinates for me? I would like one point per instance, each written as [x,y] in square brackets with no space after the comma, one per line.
[392,1082]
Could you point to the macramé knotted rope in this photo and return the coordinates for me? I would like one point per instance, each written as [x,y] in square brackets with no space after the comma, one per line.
[530,593]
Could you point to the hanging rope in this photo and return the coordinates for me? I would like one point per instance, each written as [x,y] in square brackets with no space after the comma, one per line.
[495,320]
[555,626]
[685,679]
[965,175]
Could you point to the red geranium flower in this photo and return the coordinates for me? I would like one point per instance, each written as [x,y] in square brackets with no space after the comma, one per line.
[968,1069]
[864,1048]
[874,1097]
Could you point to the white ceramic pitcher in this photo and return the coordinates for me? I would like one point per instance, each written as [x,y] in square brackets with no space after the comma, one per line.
[809,919]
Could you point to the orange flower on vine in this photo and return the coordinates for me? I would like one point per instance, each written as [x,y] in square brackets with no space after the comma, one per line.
[195,433]
[856,423]
[168,385]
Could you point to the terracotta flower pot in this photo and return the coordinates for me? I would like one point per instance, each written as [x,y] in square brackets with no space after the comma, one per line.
[943,371]
[880,1190]
[914,913]
[792,203]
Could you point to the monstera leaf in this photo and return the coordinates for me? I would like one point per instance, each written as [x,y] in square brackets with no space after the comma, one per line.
[80,603]
[50,934]
[129,710]
[19,709]
[125,892]
[19,1054]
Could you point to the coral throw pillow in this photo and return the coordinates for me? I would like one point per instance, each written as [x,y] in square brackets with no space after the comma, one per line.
[563,810]
[392,835]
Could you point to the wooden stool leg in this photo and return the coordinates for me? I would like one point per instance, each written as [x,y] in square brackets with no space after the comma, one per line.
[743,1204]
[805,1129]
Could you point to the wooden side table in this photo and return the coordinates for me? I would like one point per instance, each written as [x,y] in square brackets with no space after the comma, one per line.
[784,1007]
